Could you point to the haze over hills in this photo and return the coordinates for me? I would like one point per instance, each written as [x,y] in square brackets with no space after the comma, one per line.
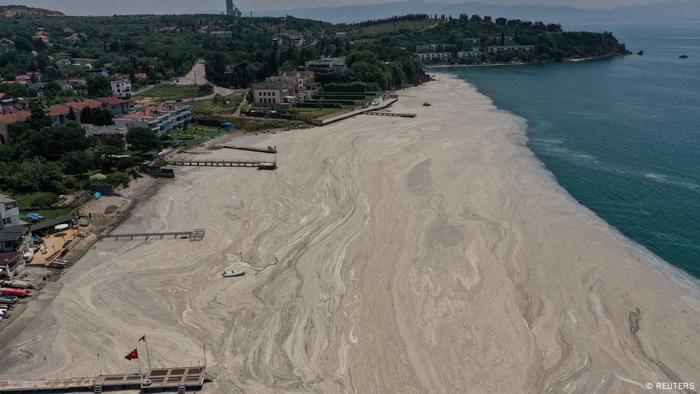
[16,10]
[681,11]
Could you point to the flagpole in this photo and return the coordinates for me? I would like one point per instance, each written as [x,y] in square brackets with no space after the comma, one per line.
[148,352]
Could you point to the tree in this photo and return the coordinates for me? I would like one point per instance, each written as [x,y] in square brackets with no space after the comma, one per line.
[78,162]
[99,87]
[71,114]
[38,175]
[86,116]
[142,139]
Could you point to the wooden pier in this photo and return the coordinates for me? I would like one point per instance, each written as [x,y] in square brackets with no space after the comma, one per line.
[155,380]
[261,165]
[394,114]
[194,235]
[269,149]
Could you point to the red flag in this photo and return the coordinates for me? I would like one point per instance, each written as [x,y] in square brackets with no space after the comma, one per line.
[134,354]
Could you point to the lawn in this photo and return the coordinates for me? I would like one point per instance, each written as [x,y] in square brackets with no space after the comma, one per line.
[194,134]
[220,107]
[169,91]
[25,202]
[313,113]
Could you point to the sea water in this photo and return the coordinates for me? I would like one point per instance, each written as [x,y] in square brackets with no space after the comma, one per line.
[621,135]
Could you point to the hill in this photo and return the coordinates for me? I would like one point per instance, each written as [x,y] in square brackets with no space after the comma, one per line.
[20,10]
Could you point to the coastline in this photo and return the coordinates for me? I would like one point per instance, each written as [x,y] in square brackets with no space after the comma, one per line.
[567,60]
[430,254]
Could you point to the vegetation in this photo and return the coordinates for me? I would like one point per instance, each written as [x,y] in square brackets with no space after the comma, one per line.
[170,91]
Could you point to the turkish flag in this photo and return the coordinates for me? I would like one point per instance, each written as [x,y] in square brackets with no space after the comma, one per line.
[134,354]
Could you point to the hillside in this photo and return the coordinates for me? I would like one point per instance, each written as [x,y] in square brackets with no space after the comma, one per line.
[20,10]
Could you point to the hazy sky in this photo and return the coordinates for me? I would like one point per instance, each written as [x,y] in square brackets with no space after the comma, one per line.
[109,7]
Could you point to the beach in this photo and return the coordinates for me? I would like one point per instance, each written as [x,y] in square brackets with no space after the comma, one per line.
[431,254]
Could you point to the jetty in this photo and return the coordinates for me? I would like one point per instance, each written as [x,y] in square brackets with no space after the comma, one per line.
[180,379]
[269,149]
[194,235]
[261,165]
[394,114]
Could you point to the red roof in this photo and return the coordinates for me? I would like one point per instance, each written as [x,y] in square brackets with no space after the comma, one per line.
[79,105]
[19,116]
[58,110]
[111,100]
[2,95]
[8,256]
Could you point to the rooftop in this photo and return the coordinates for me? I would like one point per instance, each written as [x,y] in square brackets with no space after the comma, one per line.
[17,116]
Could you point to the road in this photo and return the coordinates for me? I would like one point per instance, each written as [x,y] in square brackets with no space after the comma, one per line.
[198,76]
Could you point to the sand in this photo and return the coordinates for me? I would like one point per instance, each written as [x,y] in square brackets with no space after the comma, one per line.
[433,254]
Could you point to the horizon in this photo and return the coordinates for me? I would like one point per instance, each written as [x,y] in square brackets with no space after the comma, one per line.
[259,8]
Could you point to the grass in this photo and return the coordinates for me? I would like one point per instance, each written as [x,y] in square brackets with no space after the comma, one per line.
[194,132]
[50,213]
[25,206]
[169,91]
[221,107]
[25,200]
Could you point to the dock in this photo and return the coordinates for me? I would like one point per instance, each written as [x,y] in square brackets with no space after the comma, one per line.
[154,380]
[269,149]
[194,235]
[261,165]
[394,114]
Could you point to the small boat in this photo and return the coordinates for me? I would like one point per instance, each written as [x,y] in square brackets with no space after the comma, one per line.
[640,52]
[233,274]
[683,56]
[427,104]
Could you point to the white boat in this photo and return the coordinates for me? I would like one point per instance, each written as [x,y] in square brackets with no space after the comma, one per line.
[233,274]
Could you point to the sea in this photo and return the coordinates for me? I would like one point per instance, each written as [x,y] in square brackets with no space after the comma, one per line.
[621,135]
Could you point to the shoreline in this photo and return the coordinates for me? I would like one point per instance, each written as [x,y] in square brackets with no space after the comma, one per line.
[676,274]
[567,60]
[430,254]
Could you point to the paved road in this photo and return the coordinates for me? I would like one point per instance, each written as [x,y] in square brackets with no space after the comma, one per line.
[198,76]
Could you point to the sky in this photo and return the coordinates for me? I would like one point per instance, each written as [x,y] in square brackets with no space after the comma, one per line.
[110,7]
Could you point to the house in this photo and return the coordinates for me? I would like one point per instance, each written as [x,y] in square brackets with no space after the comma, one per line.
[469,41]
[63,63]
[330,64]
[9,118]
[77,83]
[96,73]
[162,118]
[270,93]
[430,48]
[15,239]
[58,114]
[222,34]
[24,79]
[121,89]
[42,36]
[92,130]
[498,49]
[118,106]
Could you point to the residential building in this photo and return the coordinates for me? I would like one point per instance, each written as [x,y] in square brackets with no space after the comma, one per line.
[270,93]
[335,64]
[432,48]
[118,106]
[222,34]
[42,36]
[433,56]
[97,72]
[162,118]
[92,130]
[497,49]
[121,89]
[8,118]
[9,212]
[63,63]
[469,41]
[470,54]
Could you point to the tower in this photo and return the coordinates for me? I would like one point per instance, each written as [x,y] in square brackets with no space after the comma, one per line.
[232,9]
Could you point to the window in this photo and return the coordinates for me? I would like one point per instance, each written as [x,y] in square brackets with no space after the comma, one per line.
[7,221]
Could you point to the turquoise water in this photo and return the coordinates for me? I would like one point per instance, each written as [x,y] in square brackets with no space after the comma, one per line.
[622,136]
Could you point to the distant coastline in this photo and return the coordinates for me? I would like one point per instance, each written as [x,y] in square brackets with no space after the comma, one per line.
[568,60]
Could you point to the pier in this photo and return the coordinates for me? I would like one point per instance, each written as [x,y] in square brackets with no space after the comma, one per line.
[261,165]
[194,235]
[394,114]
[154,380]
[269,149]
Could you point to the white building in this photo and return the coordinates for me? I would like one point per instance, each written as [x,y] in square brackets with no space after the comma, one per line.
[336,64]
[270,93]
[471,54]
[9,212]
[121,89]
[162,119]
[433,56]
[494,50]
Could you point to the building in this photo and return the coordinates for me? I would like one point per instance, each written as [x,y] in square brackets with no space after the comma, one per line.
[15,239]
[498,49]
[162,119]
[474,53]
[270,93]
[8,118]
[117,106]
[9,212]
[433,56]
[96,73]
[63,63]
[121,89]
[334,64]
[432,48]
[222,34]
[285,89]
[469,41]
[42,36]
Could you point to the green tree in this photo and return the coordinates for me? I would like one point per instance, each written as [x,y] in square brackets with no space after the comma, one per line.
[142,139]
[99,87]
